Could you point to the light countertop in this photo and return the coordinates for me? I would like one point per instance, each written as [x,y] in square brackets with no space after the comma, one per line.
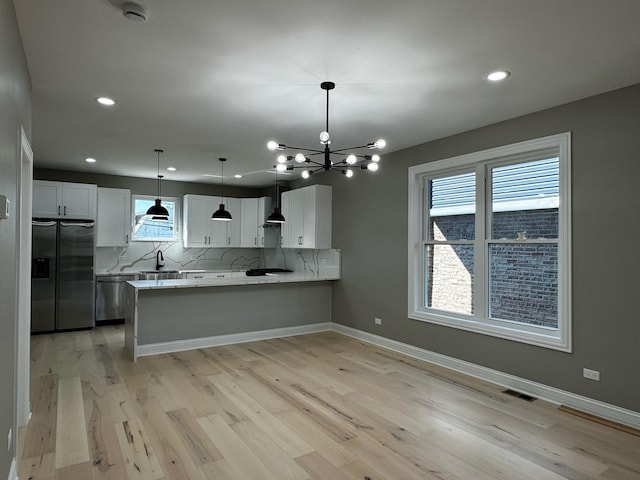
[136,272]
[215,282]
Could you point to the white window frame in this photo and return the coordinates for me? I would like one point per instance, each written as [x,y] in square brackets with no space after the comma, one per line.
[176,219]
[557,339]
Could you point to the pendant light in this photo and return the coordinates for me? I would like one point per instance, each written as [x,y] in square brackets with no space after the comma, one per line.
[157,211]
[276,216]
[221,214]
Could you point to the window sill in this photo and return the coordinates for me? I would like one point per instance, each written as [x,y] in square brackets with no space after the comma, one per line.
[551,341]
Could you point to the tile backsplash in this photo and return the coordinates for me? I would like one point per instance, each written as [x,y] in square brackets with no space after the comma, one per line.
[142,256]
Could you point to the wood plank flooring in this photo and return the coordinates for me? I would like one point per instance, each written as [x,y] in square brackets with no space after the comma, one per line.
[320,406]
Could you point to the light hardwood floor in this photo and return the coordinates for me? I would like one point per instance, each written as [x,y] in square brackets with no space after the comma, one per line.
[320,406]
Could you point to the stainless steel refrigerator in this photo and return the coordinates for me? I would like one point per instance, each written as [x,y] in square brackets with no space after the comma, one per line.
[62,275]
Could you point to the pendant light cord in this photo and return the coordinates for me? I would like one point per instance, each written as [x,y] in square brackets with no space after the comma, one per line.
[158,151]
[277,192]
[327,129]
[222,160]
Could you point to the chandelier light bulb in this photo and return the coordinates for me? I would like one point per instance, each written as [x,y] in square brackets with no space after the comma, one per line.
[375,158]
[272,145]
[349,173]
[305,174]
[324,138]
[282,159]
[351,159]
[380,143]
[281,167]
[372,166]
[300,158]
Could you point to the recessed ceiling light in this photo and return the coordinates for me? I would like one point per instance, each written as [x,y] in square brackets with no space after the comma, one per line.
[90,160]
[106,101]
[237,175]
[498,75]
[134,12]
[172,169]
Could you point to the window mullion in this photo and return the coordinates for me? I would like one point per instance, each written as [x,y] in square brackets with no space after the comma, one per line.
[480,291]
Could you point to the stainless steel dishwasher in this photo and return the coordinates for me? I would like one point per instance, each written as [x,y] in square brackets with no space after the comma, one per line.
[110,297]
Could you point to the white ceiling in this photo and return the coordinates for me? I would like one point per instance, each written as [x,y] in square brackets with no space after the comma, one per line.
[204,79]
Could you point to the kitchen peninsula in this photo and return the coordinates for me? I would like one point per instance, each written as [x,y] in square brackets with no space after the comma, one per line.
[182,314]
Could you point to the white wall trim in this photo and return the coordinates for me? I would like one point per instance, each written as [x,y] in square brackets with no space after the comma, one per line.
[13,473]
[233,338]
[545,392]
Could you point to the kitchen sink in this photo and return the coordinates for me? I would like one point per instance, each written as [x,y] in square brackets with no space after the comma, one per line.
[159,274]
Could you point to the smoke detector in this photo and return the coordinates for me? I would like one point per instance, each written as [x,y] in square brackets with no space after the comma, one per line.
[134,12]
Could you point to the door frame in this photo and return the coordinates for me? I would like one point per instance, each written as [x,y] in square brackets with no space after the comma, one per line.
[23,210]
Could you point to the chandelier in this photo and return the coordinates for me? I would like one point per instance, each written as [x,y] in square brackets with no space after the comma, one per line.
[313,160]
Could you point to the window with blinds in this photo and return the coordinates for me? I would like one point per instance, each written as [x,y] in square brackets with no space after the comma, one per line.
[490,242]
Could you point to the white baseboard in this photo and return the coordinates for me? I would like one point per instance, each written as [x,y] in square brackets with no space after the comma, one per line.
[551,394]
[219,340]
[13,473]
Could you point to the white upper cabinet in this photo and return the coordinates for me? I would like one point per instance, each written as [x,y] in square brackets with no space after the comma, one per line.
[307,213]
[196,219]
[226,234]
[113,223]
[199,231]
[254,212]
[64,200]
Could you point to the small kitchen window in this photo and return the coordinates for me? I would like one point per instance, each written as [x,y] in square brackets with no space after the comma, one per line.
[145,228]
[489,242]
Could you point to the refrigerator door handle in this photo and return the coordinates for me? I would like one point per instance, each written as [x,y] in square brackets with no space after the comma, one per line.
[40,223]
[77,224]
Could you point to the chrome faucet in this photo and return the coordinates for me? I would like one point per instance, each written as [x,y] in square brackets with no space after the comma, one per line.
[159,260]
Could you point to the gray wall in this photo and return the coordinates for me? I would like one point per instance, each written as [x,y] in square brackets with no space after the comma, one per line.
[370,226]
[180,314]
[15,110]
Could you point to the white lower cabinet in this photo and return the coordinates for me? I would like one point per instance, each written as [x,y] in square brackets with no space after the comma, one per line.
[113,221]
[199,231]
[307,213]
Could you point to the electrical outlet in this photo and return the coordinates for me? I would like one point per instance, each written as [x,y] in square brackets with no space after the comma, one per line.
[9,438]
[591,374]
[378,321]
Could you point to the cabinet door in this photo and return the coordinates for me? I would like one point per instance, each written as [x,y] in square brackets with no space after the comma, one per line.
[308,219]
[234,227]
[79,201]
[293,211]
[264,210]
[47,199]
[318,231]
[113,217]
[219,237]
[196,221]
[249,222]
[285,228]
